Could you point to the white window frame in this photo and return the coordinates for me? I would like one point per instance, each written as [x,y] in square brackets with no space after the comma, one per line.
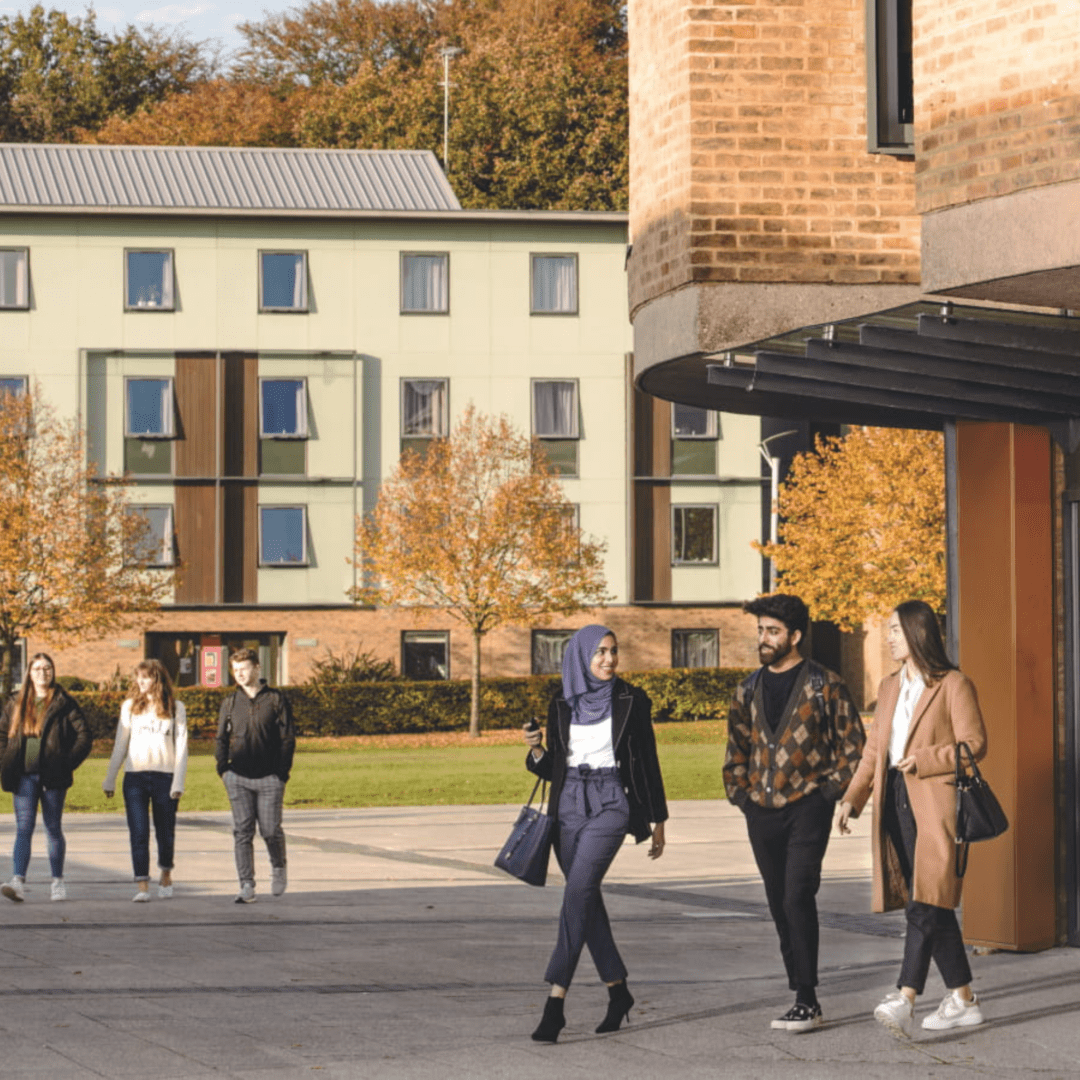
[169,408]
[444,634]
[533,384]
[405,256]
[675,559]
[715,631]
[441,422]
[21,303]
[567,312]
[171,283]
[301,409]
[711,427]
[305,302]
[304,561]
[168,540]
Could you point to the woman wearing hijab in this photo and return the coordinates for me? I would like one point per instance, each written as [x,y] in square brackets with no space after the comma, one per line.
[605,782]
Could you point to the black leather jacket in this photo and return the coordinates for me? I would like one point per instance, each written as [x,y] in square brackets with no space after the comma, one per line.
[635,756]
[65,741]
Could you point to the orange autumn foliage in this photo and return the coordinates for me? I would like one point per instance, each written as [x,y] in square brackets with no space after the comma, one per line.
[69,548]
[863,525]
[479,529]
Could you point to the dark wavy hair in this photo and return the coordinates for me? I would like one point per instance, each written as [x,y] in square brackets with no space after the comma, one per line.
[922,632]
[788,609]
[27,716]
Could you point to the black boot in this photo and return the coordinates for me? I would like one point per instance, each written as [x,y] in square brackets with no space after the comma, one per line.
[620,1001]
[552,1022]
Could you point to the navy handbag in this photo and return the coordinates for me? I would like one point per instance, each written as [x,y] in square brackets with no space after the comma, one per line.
[525,854]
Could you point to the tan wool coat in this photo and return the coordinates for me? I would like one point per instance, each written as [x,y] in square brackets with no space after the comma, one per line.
[946,713]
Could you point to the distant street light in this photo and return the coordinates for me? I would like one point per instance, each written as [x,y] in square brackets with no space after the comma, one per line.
[447,53]
[774,496]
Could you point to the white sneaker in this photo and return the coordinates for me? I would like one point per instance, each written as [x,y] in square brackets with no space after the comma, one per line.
[246,895]
[14,889]
[954,1012]
[279,879]
[895,1014]
[59,889]
[141,897]
[164,892]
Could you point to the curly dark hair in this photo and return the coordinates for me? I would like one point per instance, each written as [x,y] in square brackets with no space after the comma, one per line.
[790,610]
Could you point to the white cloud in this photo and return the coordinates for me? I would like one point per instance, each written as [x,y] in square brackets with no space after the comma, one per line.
[172,13]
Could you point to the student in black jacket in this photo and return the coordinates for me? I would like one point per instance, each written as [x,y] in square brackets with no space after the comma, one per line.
[605,782]
[44,738]
[255,745]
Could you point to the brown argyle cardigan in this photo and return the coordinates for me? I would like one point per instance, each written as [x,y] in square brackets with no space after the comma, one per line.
[806,751]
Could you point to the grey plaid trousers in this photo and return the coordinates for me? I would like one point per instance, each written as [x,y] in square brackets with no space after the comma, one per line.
[256,801]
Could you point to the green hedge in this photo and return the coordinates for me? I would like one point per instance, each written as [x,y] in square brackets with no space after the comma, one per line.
[405,705]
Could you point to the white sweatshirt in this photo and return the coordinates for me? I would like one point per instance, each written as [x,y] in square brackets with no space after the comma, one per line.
[147,742]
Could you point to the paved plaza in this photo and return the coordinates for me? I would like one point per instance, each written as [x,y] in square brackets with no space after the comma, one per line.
[400,952]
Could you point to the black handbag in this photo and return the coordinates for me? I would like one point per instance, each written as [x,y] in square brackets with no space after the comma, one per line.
[978,813]
[527,850]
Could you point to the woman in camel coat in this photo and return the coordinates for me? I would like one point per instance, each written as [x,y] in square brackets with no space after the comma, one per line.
[908,765]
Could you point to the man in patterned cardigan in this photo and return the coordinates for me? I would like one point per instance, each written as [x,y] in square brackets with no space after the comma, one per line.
[794,740]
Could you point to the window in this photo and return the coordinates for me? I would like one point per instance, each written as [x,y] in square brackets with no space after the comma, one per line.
[18,662]
[283,414]
[425,283]
[695,648]
[148,277]
[555,421]
[149,409]
[554,285]
[693,534]
[890,88]
[425,655]
[548,647]
[690,422]
[15,278]
[694,432]
[282,536]
[156,546]
[425,412]
[13,384]
[283,281]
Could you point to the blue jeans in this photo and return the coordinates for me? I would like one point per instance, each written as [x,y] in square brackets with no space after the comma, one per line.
[144,791]
[26,797]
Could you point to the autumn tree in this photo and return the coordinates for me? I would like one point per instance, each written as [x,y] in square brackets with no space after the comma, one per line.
[863,524]
[72,547]
[478,528]
[60,73]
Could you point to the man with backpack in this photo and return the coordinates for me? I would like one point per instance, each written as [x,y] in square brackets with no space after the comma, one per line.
[794,741]
[255,745]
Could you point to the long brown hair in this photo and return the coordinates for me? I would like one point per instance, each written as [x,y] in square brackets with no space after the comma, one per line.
[27,715]
[922,632]
[160,696]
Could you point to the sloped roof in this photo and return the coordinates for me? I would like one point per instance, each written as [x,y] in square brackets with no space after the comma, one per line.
[215,180]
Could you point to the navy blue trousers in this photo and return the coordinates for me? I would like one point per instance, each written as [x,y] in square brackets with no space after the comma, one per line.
[592,816]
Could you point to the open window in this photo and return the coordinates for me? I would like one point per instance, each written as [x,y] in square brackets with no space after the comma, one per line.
[890,96]
[283,536]
[283,282]
[148,280]
[158,545]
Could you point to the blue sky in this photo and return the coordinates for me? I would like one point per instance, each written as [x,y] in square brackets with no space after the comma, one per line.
[201,19]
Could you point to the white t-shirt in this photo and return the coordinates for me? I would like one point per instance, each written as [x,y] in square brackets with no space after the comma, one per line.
[590,744]
[146,742]
[911,688]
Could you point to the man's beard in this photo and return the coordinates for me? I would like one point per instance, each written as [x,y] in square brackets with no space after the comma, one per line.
[770,654]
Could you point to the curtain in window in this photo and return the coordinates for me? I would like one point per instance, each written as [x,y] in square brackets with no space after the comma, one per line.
[424,656]
[696,648]
[425,283]
[423,407]
[284,403]
[283,284]
[149,407]
[149,279]
[554,283]
[548,647]
[555,410]
[13,279]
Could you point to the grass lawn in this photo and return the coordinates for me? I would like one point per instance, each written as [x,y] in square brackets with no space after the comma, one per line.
[415,770]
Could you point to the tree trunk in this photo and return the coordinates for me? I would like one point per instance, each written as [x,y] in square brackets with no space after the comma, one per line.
[474,704]
[7,660]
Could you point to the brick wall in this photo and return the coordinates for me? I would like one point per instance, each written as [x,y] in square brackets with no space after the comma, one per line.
[997,98]
[775,184]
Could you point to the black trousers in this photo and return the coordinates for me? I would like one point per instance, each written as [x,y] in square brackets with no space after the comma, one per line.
[789,845]
[932,932]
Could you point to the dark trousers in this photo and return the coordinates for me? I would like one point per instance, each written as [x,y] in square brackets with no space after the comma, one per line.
[147,791]
[592,818]
[789,845]
[932,932]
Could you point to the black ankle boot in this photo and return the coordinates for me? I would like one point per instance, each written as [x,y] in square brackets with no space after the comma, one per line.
[552,1022]
[620,1001]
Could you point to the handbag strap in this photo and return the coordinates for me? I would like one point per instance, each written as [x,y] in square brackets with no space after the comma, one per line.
[543,794]
[961,774]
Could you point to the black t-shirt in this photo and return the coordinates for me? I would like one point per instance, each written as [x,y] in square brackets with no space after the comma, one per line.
[776,688]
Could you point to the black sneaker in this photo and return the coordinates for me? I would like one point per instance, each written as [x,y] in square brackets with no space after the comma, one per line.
[799,1017]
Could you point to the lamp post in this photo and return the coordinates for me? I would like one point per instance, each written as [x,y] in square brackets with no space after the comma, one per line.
[447,52]
[774,496]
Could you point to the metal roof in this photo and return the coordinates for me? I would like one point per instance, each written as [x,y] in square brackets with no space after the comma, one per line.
[210,179]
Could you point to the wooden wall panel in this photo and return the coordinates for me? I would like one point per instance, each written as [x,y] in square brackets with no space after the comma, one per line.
[651,539]
[197,404]
[196,516]
[1004,523]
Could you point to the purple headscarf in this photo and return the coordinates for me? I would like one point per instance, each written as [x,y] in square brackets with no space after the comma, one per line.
[589,697]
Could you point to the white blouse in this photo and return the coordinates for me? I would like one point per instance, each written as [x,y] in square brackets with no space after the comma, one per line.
[146,742]
[590,744]
[911,688]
